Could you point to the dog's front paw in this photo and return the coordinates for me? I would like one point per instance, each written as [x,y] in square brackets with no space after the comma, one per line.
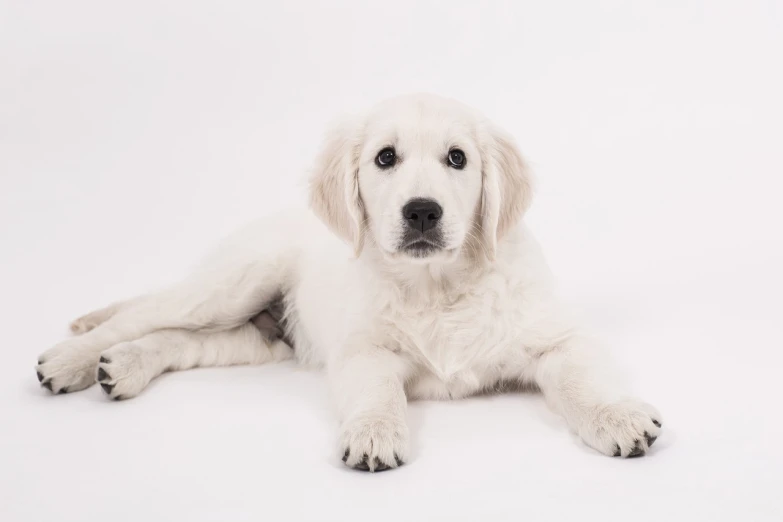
[68,367]
[622,429]
[375,443]
[123,371]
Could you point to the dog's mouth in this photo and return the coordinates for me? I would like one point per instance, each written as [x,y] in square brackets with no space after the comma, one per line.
[420,251]
[421,247]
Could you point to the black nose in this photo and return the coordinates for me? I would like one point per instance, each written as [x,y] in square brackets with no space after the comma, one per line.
[422,214]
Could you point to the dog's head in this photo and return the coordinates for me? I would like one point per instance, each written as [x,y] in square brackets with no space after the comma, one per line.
[425,176]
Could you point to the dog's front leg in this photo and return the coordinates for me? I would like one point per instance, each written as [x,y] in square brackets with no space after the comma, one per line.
[579,382]
[367,381]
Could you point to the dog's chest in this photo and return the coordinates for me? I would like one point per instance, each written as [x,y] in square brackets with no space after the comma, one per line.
[458,345]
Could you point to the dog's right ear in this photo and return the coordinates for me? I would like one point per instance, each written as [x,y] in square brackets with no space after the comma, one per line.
[334,184]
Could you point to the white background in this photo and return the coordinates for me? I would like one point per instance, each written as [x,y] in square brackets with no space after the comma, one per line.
[134,134]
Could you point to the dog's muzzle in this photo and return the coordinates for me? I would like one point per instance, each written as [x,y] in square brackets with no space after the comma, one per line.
[423,234]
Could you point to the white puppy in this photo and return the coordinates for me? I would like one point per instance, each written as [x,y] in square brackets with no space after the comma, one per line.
[443,293]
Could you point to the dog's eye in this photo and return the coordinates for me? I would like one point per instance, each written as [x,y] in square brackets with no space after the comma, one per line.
[386,158]
[456,159]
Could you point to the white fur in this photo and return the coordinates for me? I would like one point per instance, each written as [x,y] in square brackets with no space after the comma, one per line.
[386,326]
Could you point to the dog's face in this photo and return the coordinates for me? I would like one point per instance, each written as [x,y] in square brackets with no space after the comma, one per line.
[419,177]
[424,176]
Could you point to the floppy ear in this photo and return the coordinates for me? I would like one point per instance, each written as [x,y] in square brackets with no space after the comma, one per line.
[334,185]
[507,187]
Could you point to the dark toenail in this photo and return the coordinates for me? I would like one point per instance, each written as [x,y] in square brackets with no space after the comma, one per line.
[103,359]
[363,465]
[62,391]
[119,398]
[380,466]
[40,376]
[102,375]
[637,450]
[650,439]
[617,450]
[107,387]
[345,457]
[47,385]
[40,361]
[399,460]
[658,424]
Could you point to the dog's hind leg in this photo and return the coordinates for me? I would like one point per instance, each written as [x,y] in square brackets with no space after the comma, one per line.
[125,369]
[214,299]
[95,318]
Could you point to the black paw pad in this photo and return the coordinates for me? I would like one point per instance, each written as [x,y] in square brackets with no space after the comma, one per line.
[62,391]
[400,462]
[637,450]
[657,424]
[347,454]
[47,385]
[40,376]
[650,439]
[617,452]
[104,360]
[102,375]
[107,387]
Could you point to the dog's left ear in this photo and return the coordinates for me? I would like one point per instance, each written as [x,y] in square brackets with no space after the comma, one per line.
[507,187]
[334,185]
